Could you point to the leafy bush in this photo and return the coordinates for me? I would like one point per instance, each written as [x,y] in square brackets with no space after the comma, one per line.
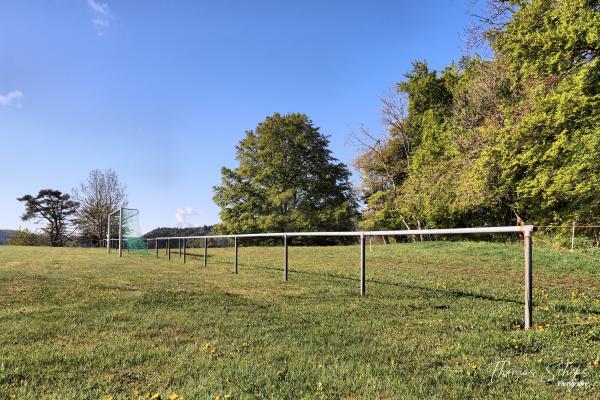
[25,237]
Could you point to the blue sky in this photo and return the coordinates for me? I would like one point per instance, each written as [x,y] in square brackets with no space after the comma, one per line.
[161,91]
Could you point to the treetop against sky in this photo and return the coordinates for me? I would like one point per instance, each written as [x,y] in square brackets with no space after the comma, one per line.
[161,93]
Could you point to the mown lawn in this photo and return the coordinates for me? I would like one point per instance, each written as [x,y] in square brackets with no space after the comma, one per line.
[439,320]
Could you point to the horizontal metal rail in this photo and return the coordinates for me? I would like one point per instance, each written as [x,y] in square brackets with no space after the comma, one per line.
[408,232]
[525,230]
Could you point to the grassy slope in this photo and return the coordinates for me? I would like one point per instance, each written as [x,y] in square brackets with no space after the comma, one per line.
[78,323]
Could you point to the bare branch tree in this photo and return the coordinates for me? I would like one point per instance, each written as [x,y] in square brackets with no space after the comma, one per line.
[384,160]
[491,18]
[100,194]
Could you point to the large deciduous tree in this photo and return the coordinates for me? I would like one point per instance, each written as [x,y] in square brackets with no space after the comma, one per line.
[99,195]
[488,140]
[54,208]
[286,180]
[549,148]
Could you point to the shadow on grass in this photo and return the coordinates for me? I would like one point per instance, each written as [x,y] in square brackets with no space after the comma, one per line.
[175,255]
[425,289]
[454,293]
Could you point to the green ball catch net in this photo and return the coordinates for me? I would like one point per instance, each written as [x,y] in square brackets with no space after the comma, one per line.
[132,233]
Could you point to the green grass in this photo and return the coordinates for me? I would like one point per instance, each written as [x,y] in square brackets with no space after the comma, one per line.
[437,320]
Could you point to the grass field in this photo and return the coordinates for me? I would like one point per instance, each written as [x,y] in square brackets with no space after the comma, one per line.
[440,320]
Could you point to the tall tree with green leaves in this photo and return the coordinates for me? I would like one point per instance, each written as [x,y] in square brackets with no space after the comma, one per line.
[286,180]
[55,209]
[549,149]
[518,134]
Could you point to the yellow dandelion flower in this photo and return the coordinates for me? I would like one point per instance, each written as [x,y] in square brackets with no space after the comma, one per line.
[206,345]
[155,396]
[174,396]
[595,362]
[473,366]
[218,397]
[320,366]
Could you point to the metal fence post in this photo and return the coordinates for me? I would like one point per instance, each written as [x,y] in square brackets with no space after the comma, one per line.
[121,232]
[205,252]
[362,264]
[108,236]
[525,230]
[179,249]
[528,278]
[285,258]
[235,258]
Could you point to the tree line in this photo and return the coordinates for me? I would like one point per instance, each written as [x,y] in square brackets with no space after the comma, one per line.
[511,138]
[174,232]
[485,141]
[79,219]
[490,141]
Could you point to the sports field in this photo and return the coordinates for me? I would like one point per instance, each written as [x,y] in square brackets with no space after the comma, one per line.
[440,320]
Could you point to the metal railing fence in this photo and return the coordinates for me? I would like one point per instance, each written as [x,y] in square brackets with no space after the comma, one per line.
[525,231]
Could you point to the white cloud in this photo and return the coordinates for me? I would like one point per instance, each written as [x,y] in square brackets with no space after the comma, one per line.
[181,216]
[100,8]
[102,16]
[14,96]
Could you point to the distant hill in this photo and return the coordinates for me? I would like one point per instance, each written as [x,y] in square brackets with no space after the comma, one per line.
[5,235]
[172,232]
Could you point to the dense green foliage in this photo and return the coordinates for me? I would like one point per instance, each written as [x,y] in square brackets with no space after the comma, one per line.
[25,237]
[486,140]
[286,180]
